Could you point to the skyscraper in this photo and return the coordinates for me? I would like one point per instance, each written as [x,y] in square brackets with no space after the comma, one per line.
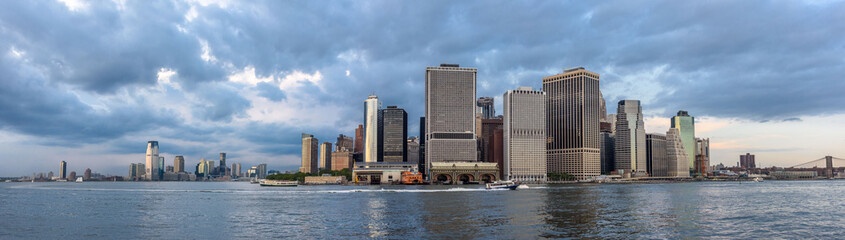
[325,155]
[676,154]
[222,162]
[394,134]
[132,170]
[87,174]
[179,164]
[413,151]
[309,154]
[160,168]
[630,137]
[344,143]
[702,156]
[686,125]
[572,118]
[152,165]
[657,162]
[488,127]
[422,163]
[524,135]
[359,139]
[608,152]
[602,108]
[63,170]
[450,114]
[372,107]
[262,170]
[236,169]
[486,107]
[611,118]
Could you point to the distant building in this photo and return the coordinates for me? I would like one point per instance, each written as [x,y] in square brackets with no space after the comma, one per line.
[686,125]
[344,143]
[63,170]
[133,169]
[611,118]
[152,165]
[236,170]
[325,155]
[497,152]
[702,156]
[395,134]
[602,108]
[222,170]
[71,176]
[463,172]
[630,137]
[524,135]
[486,107]
[310,163]
[657,161]
[747,161]
[87,174]
[488,127]
[608,158]
[450,114]
[168,169]
[359,139]
[422,163]
[572,117]
[676,154]
[381,172]
[261,171]
[179,164]
[161,168]
[140,169]
[342,159]
[372,108]
[413,150]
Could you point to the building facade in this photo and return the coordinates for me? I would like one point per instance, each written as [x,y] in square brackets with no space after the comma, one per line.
[151,164]
[325,155]
[702,156]
[179,164]
[310,162]
[607,151]
[372,108]
[342,159]
[657,161]
[524,135]
[344,143]
[62,170]
[630,137]
[450,114]
[747,161]
[413,151]
[676,154]
[359,139]
[686,125]
[572,116]
[394,134]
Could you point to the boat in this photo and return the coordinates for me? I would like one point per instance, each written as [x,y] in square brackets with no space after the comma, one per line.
[278,183]
[253,180]
[757,179]
[503,185]
[79,179]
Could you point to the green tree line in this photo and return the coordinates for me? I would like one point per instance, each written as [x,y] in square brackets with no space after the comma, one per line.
[552,176]
[300,176]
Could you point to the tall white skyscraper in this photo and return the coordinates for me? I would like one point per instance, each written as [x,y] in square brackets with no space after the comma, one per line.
[371,125]
[152,164]
[450,107]
[524,135]
[630,137]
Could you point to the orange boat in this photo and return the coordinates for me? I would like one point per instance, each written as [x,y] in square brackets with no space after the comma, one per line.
[411,177]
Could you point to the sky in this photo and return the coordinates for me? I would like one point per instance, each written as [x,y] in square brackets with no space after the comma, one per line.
[90,82]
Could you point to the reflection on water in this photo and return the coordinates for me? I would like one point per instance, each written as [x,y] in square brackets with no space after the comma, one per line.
[772,209]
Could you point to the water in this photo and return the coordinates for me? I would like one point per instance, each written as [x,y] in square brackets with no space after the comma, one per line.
[226,210]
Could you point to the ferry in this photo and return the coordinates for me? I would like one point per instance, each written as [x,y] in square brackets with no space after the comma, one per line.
[503,185]
[278,183]
[79,179]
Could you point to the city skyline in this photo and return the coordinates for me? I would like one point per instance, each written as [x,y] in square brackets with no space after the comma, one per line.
[200,89]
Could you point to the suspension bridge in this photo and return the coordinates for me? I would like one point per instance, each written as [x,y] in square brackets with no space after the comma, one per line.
[828,162]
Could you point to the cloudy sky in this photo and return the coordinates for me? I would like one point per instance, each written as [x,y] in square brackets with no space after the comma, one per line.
[91,82]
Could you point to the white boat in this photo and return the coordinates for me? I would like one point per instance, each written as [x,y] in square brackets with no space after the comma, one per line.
[503,185]
[79,179]
[278,183]
[757,179]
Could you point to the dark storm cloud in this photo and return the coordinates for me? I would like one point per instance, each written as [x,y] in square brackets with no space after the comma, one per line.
[753,60]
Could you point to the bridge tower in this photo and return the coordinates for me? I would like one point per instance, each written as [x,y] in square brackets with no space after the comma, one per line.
[829,170]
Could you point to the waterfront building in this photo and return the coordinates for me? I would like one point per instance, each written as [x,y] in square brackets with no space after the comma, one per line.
[524,135]
[160,168]
[572,118]
[222,170]
[309,154]
[463,172]
[676,155]
[413,150]
[381,172]
[686,125]
[359,139]
[657,161]
[450,114]
[607,151]
[132,171]
[179,164]
[372,109]
[325,155]
[342,159]
[168,168]
[71,176]
[747,161]
[702,156]
[344,143]
[486,108]
[236,170]
[87,174]
[630,137]
[63,170]
[140,169]
[152,165]
[394,134]
[261,171]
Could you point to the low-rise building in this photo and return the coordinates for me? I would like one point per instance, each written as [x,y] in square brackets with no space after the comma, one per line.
[463,172]
[325,180]
[381,172]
